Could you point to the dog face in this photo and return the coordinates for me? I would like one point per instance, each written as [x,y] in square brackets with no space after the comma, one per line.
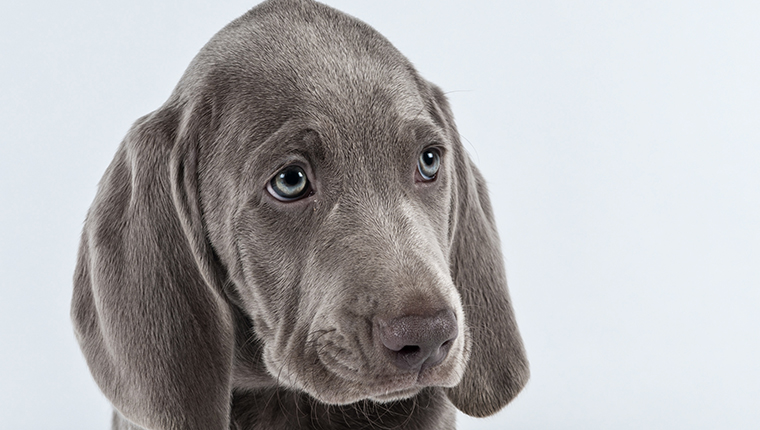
[367,240]
[364,245]
[303,175]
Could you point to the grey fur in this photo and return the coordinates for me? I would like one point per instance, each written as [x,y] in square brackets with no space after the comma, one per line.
[200,302]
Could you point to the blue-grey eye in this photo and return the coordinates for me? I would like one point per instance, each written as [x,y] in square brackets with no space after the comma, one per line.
[289,183]
[429,163]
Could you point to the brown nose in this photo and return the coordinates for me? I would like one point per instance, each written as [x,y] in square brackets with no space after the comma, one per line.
[417,342]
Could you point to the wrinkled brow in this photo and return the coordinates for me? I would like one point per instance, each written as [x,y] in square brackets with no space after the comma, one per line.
[293,140]
[426,132]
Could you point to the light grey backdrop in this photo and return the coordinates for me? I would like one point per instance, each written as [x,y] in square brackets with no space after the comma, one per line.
[620,140]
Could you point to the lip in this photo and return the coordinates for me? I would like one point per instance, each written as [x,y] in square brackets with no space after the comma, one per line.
[396,395]
[389,385]
[384,387]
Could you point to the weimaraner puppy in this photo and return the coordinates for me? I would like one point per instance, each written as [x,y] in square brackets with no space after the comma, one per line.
[296,239]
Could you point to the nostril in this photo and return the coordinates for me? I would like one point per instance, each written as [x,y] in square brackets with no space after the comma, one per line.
[409,350]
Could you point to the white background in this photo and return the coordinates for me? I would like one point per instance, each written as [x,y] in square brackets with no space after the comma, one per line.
[620,141]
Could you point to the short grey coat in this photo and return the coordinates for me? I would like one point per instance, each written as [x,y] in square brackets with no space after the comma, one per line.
[202,301]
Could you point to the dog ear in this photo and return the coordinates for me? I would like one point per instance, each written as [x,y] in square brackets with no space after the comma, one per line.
[497,368]
[148,308]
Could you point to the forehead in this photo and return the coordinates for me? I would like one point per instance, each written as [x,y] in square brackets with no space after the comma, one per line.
[319,65]
[336,65]
[310,65]
[367,113]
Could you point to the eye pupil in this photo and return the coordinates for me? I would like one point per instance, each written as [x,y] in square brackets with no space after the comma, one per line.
[289,184]
[429,158]
[292,177]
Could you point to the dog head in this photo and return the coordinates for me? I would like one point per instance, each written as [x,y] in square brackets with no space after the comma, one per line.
[304,176]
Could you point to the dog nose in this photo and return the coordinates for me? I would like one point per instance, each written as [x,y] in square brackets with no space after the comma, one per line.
[417,342]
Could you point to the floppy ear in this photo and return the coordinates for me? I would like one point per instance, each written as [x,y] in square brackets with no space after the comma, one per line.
[147,307]
[498,368]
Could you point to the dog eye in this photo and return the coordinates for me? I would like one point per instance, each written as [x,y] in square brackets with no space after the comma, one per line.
[289,184]
[429,163]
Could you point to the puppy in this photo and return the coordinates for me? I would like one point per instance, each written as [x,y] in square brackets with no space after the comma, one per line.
[296,239]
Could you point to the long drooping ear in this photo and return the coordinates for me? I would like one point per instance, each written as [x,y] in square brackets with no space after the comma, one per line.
[498,367]
[147,306]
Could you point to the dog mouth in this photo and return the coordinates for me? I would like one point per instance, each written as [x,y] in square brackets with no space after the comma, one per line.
[380,388]
[359,379]
[341,366]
